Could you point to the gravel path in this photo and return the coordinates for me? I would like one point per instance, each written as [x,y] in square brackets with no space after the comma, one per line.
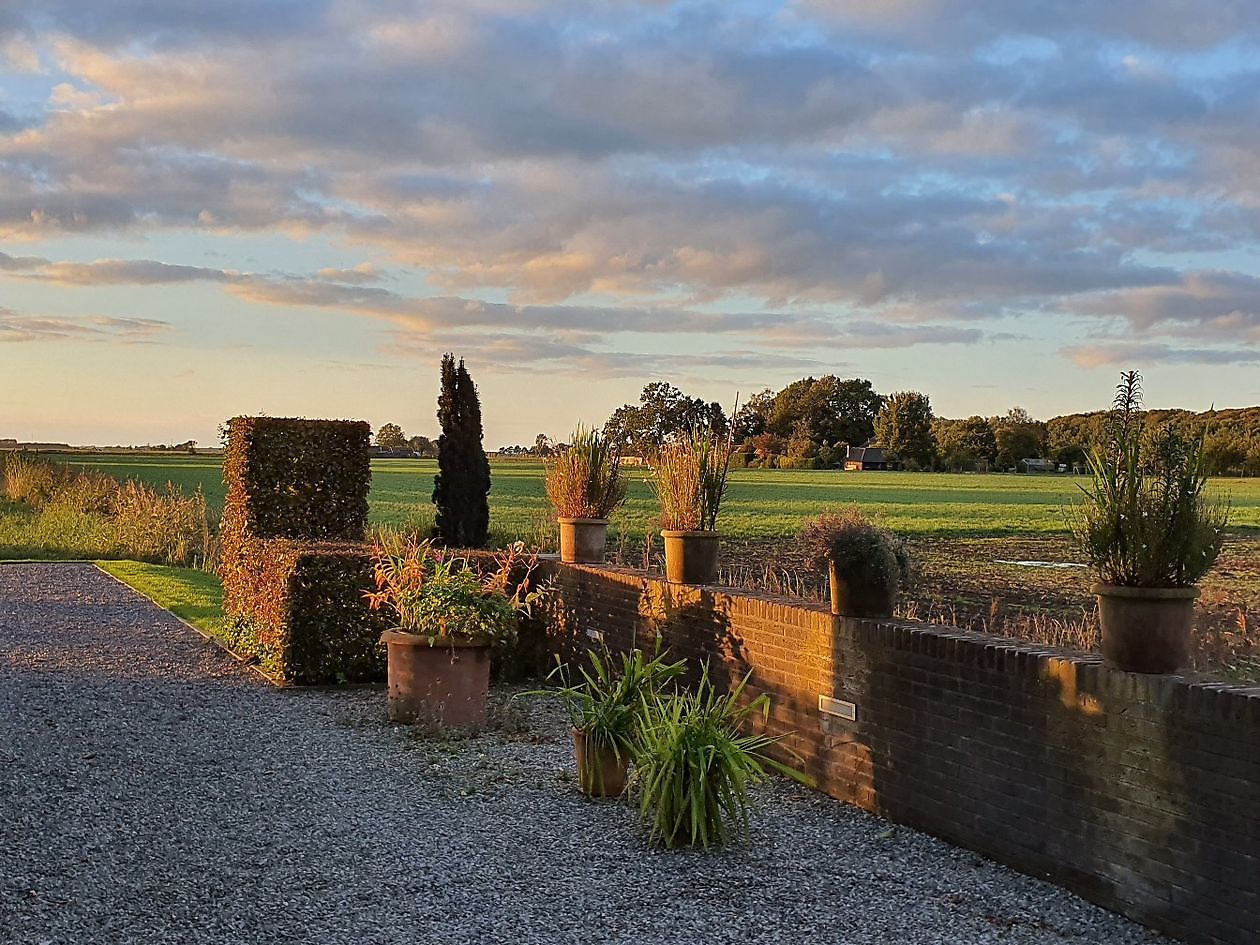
[152,790]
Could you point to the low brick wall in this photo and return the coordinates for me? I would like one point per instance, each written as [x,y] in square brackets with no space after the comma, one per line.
[1140,793]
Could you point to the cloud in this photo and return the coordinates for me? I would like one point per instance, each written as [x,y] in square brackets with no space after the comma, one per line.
[1138,354]
[16,327]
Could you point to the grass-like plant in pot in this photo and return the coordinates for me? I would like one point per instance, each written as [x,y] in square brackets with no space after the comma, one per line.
[606,707]
[866,565]
[1149,531]
[449,617]
[690,478]
[695,762]
[585,487]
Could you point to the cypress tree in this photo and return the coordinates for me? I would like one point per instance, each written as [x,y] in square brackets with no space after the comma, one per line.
[463,480]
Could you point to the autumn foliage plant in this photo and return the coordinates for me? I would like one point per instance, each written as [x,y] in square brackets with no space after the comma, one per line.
[866,565]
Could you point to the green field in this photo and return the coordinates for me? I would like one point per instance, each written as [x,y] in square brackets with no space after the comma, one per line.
[761,503]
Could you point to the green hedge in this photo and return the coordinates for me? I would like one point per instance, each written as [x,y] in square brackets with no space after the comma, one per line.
[293,564]
[290,478]
[798,462]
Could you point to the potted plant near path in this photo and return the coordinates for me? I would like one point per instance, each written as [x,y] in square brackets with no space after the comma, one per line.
[690,479]
[449,617]
[585,486]
[606,709]
[1149,531]
[695,761]
[866,565]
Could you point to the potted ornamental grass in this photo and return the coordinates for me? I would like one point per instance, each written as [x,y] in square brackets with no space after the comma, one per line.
[866,565]
[606,708]
[690,478]
[1149,531]
[585,487]
[449,617]
[695,760]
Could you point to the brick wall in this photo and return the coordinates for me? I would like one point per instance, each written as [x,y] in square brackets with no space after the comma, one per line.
[1140,793]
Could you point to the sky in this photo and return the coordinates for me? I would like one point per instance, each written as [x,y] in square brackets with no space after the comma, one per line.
[295,207]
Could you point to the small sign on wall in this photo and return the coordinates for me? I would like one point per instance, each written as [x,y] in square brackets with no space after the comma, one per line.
[838,708]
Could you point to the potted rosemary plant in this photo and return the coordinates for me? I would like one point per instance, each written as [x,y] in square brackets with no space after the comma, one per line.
[449,617]
[606,709]
[866,565]
[694,764]
[1149,531]
[690,480]
[585,486]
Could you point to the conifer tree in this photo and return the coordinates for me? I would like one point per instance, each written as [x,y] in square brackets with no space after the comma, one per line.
[463,480]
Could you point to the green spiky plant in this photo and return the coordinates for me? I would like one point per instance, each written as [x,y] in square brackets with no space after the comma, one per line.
[1147,519]
[584,481]
[695,764]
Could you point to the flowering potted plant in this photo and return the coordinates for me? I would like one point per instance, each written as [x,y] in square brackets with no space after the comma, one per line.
[1149,531]
[866,565]
[585,486]
[690,479]
[449,617]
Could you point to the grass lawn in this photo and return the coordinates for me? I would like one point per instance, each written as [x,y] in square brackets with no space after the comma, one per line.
[195,596]
[761,503]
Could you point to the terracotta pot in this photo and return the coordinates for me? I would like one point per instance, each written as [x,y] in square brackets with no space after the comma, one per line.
[582,540]
[601,775]
[691,557]
[442,685]
[1146,629]
[860,599]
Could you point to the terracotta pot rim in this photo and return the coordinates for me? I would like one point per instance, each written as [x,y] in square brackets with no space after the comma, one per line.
[1144,593]
[566,520]
[407,638]
[689,533]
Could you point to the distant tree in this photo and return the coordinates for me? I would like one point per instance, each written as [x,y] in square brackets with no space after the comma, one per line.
[904,427]
[753,417]
[1018,437]
[802,444]
[663,411]
[964,444]
[837,411]
[542,445]
[463,480]
[391,437]
[423,446]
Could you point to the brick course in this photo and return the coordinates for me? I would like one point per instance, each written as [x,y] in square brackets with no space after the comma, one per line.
[1141,793]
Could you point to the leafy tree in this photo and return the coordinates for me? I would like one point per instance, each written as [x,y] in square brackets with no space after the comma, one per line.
[463,480]
[1018,437]
[391,437]
[964,444]
[837,411]
[801,444]
[904,427]
[542,446]
[663,411]
[753,417]
[423,446]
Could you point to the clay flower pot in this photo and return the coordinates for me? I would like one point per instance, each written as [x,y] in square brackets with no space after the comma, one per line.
[602,774]
[691,557]
[1146,629]
[442,684]
[582,540]
[860,598]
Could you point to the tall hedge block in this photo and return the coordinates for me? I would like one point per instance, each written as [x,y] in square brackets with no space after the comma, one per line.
[294,565]
[291,478]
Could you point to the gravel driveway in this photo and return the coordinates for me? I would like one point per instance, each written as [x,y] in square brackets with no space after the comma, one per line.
[152,790]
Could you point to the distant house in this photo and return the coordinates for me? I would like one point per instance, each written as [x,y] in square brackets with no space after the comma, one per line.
[861,458]
[1037,465]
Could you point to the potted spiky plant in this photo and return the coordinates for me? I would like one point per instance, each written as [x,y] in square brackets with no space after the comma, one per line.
[585,486]
[866,565]
[690,478]
[606,709]
[449,618]
[1150,532]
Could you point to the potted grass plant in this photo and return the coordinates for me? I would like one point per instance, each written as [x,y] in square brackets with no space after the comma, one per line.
[690,478]
[1149,531]
[449,616]
[866,565]
[694,764]
[606,709]
[585,486]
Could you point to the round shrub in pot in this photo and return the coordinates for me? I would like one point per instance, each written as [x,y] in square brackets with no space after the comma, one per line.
[866,565]
[585,487]
[1149,531]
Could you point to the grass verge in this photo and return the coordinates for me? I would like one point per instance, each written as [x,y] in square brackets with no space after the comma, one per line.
[192,595]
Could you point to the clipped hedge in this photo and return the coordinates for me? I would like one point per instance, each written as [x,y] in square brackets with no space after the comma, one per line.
[298,607]
[293,562]
[290,478]
[740,460]
[798,462]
